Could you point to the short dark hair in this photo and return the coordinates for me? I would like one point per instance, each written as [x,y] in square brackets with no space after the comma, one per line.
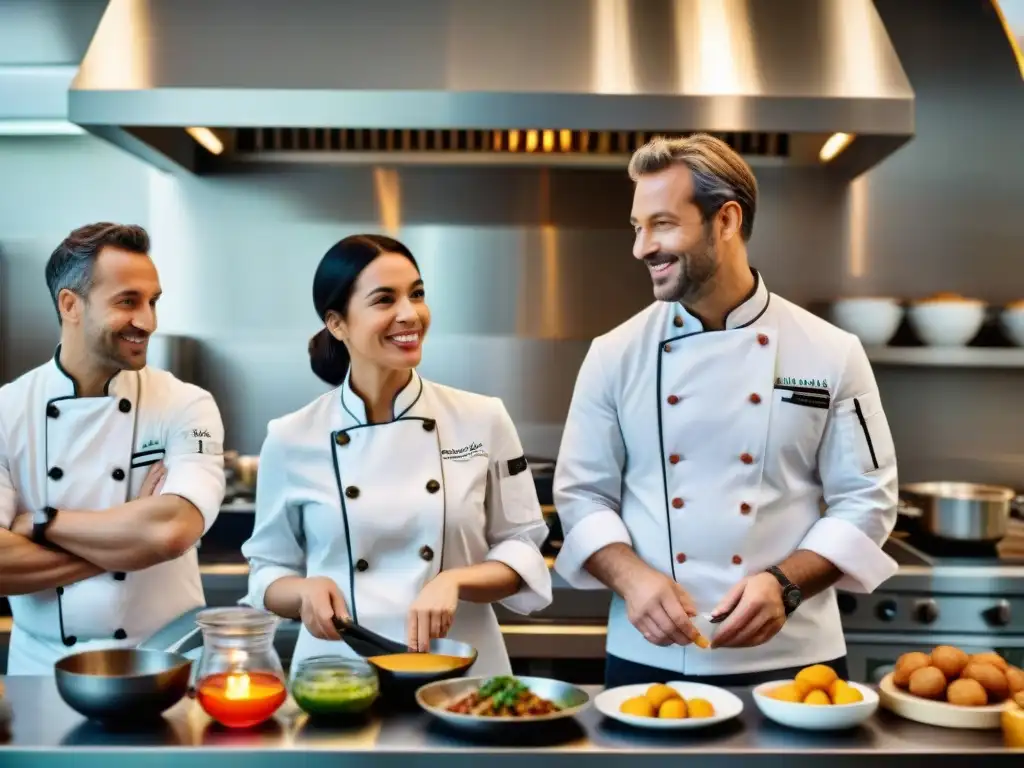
[71,263]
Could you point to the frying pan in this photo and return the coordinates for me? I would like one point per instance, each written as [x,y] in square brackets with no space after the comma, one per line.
[400,687]
[129,686]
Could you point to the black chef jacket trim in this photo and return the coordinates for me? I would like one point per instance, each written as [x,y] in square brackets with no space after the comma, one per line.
[397,416]
[69,640]
[69,377]
[344,507]
[867,434]
[147,458]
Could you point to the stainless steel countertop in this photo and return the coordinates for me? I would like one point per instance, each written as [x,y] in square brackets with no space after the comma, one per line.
[44,726]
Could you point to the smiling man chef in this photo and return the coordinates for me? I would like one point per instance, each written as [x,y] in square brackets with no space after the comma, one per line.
[703,434]
[110,471]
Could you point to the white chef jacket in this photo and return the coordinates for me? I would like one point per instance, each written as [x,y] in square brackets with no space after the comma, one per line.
[58,449]
[383,508]
[709,453]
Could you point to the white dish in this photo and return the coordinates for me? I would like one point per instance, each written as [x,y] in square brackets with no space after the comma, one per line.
[1012,320]
[873,320]
[947,323]
[726,706]
[816,717]
[940,713]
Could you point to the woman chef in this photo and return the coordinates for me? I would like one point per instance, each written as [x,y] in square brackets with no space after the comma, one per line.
[403,504]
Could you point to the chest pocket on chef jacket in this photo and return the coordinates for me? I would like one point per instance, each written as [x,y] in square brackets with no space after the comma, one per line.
[796,428]
[516,491]
[865,431]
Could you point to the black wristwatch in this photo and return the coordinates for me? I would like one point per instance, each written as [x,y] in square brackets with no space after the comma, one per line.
[42,521]
[791,594]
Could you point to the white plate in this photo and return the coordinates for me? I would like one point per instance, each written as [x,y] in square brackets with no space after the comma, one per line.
[815,717]
[940,713]
[726,705]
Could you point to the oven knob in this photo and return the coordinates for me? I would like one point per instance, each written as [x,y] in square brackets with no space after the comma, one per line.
[926,611]
[886,610]
[998,615]
[847,603]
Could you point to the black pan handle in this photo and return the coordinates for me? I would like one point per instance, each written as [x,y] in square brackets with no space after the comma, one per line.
[368,643]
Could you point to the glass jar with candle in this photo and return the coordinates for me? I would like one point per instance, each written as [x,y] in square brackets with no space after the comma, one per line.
[240,682]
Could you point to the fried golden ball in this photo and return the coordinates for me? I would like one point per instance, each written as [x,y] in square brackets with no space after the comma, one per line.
[908,664]
[994,659]
[659,693]
[966,693]
[928,683]
[950,660]
[818,697]
[639,706]
[847,694]
[1015,679]
[817,677]
[672,709]
[1019,699]
[789,692]
[991,678]
[700,708]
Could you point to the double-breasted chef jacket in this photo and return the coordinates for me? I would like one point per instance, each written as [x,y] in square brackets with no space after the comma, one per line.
[381,509]
[710,452]
[61,450]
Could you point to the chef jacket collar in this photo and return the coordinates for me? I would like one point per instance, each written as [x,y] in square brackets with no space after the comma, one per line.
[63,386]
[354,408]
[746,313]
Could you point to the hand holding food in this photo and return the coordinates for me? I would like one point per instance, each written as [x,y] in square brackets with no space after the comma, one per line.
[817,685]
[757,613]
[664,702]
[433,611]
[950,674]
[660,609]
[322,602]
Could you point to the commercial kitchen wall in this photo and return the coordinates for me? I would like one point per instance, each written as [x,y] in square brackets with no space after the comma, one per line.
[524,267]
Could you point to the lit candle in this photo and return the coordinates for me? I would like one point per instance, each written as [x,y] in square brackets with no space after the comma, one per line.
[241,699]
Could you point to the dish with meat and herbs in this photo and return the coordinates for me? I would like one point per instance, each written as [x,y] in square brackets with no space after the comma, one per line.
[503,697]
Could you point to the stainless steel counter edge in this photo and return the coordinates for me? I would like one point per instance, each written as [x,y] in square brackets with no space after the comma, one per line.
[44,730]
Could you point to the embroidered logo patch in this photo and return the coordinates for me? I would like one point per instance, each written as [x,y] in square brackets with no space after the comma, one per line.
[465,453]
[792,381]
[199,440]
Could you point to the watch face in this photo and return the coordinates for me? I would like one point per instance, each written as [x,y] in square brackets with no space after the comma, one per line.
[792,597]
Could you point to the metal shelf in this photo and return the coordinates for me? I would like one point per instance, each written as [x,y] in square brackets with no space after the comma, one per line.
[949,357]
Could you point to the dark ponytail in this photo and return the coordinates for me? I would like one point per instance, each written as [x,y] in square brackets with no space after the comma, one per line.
[332,288]
[328,357]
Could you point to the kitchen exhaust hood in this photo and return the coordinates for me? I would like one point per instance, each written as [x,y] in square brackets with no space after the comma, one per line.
[205,84]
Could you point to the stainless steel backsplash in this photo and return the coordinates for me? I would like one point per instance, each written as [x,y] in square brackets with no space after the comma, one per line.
[523,267]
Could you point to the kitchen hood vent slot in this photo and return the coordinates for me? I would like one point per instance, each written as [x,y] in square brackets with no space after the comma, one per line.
[527,141]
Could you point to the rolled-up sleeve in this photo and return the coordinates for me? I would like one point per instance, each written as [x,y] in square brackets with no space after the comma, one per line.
[857,463]
[275,548]
[588,475]
[195,454]
[515,524]
[8,494]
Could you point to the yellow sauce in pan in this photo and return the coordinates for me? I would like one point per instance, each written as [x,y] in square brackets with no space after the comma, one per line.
[419,662]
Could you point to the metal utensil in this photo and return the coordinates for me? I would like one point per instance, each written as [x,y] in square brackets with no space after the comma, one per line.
[126,686]
[400,686]
[435,697]
[965,512]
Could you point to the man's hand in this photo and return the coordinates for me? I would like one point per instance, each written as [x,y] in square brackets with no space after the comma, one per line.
[23,524]
[757,613]
[154,481]
[433,611]
[322,602]
[660,608]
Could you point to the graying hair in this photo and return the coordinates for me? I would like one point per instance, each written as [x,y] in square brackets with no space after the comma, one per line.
[719,174]
[71,264]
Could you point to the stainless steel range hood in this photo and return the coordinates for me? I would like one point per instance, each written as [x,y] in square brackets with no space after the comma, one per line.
[290,80]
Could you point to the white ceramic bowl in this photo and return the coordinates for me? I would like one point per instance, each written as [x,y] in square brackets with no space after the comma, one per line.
[947,323]
[873,320]
[726,705]
[1012,320]
[814,717]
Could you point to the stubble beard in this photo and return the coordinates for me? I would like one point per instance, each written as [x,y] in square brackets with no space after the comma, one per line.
[695,277]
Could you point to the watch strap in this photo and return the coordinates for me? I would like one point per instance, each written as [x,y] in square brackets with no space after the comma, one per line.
[42,522]
[791,594]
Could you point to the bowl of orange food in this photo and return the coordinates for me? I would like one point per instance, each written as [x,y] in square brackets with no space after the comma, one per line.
[1013,721]
[816,700]
[950,688]
[1012,321]
[946,319]
[670,706]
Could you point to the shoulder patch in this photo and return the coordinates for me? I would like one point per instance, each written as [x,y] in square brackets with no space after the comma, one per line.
[198,440]
[517,465]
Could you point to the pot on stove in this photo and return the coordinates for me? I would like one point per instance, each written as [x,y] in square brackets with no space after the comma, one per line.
[966,512]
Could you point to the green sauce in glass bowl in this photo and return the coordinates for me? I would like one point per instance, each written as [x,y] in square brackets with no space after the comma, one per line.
[334,685]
